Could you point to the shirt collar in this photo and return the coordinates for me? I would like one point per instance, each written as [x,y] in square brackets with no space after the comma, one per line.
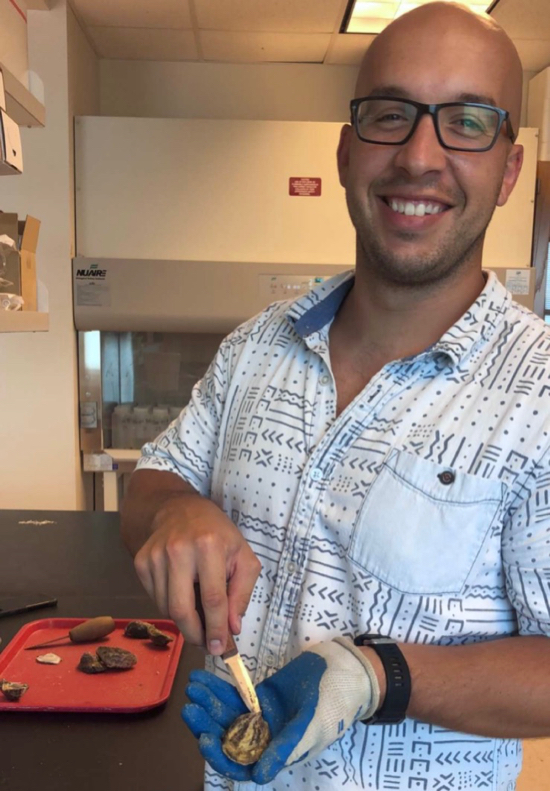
[312,312]
[476,326]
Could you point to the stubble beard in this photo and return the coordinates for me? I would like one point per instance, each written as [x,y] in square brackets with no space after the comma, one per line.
[444,261]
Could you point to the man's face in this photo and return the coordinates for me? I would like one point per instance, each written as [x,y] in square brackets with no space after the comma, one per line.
[458,190]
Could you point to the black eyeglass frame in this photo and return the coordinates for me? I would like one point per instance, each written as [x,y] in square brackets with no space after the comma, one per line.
[432,109]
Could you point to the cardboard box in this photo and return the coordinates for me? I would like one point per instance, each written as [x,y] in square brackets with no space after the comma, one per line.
[20,270]
[11,154]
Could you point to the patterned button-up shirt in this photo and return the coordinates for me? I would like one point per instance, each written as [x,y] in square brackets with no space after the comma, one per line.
[422,511]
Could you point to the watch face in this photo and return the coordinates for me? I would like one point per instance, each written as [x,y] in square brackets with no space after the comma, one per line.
[377,639]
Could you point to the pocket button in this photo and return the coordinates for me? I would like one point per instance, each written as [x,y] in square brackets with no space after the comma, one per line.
[446,477]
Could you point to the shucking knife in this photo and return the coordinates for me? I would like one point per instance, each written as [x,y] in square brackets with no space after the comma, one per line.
[234,662]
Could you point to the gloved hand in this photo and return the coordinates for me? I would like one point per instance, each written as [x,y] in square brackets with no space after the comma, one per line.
[308,704]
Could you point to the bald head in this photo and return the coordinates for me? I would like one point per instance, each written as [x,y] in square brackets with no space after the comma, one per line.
[440,48]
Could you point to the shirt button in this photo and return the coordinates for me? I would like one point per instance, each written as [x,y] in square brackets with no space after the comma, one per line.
[291,568]
[446,477]
[270,660]
[316,474]
[325,380]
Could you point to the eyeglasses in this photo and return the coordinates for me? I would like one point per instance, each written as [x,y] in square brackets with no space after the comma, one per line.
[459,126]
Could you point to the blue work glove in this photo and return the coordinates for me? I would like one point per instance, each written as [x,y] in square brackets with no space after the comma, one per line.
[308,704]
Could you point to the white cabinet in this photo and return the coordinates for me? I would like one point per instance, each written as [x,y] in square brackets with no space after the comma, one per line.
[216,190]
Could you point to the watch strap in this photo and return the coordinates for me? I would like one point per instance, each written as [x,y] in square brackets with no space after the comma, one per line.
[398,679]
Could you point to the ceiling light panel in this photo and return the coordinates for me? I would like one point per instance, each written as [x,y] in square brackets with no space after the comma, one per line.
[373,17]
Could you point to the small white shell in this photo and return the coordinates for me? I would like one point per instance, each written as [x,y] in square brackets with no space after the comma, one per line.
[48,659]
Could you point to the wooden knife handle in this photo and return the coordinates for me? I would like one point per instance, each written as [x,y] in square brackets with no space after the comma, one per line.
[230,646]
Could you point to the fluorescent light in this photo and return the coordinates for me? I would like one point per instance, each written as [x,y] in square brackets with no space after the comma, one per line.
[373,17]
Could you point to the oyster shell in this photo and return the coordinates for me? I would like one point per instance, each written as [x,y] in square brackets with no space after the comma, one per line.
[13,690]
[116,658]
[139,630]
[89,663]
[246,738]
[159,638]
[48,659]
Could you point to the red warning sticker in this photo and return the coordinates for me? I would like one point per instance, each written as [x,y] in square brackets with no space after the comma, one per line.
[304,186]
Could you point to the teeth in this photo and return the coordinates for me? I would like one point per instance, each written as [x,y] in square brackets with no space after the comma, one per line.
[415,209]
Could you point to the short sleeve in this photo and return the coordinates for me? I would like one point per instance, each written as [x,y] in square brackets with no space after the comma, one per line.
[526,553]
[188,446]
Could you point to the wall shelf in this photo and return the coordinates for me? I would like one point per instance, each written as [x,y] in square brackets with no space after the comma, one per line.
[23,321]
[21,105]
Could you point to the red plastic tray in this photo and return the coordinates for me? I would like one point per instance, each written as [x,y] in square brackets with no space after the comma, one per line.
[64,688]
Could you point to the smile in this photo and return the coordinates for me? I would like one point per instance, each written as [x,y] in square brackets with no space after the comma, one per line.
[415,208]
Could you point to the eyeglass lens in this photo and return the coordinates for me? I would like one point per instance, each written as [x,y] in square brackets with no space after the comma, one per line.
[460,125]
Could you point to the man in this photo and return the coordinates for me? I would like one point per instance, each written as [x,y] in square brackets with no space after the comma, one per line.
[374,458]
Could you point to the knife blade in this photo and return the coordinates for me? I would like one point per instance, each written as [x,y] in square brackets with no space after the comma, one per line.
[234,663]
[241,676]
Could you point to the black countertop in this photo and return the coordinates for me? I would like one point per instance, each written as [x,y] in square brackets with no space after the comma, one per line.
[81,560]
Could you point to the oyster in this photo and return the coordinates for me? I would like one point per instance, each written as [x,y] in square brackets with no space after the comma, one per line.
[138,629]
[116,658]
[89,663]
[13,690]
[159,638]
[246,738]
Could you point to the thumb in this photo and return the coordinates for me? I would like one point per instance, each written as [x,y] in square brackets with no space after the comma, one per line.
[276,756]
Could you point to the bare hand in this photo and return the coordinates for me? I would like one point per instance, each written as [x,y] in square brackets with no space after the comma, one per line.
[193,540]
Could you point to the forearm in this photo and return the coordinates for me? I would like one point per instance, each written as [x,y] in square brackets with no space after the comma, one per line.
[499,688]
[149,491]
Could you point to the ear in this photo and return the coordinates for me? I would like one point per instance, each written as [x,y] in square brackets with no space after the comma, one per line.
[342,154]
[514,161]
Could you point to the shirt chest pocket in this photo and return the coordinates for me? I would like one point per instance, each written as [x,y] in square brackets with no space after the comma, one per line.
[422,525]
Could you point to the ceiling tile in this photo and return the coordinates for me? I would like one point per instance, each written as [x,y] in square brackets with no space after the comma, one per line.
[264,47]
[348,49]
[274,16]
[535,55]
[167,14]
[126,43]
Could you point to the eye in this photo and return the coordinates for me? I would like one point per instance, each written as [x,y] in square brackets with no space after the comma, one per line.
[468,123]
[384,117]
[471,124]
[388,117]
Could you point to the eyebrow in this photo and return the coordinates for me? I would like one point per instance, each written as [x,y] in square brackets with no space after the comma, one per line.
[395,92]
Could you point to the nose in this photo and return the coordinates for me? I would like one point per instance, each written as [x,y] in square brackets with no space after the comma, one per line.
[423,152]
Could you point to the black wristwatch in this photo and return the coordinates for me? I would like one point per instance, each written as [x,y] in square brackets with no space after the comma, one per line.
[398,679]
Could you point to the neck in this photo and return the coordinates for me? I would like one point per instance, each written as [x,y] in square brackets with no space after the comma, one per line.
[393,321]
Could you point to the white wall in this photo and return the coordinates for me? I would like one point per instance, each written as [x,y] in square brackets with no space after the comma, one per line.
[83,93]
[527,75]
[270,91]
[39,459]
[13,39]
